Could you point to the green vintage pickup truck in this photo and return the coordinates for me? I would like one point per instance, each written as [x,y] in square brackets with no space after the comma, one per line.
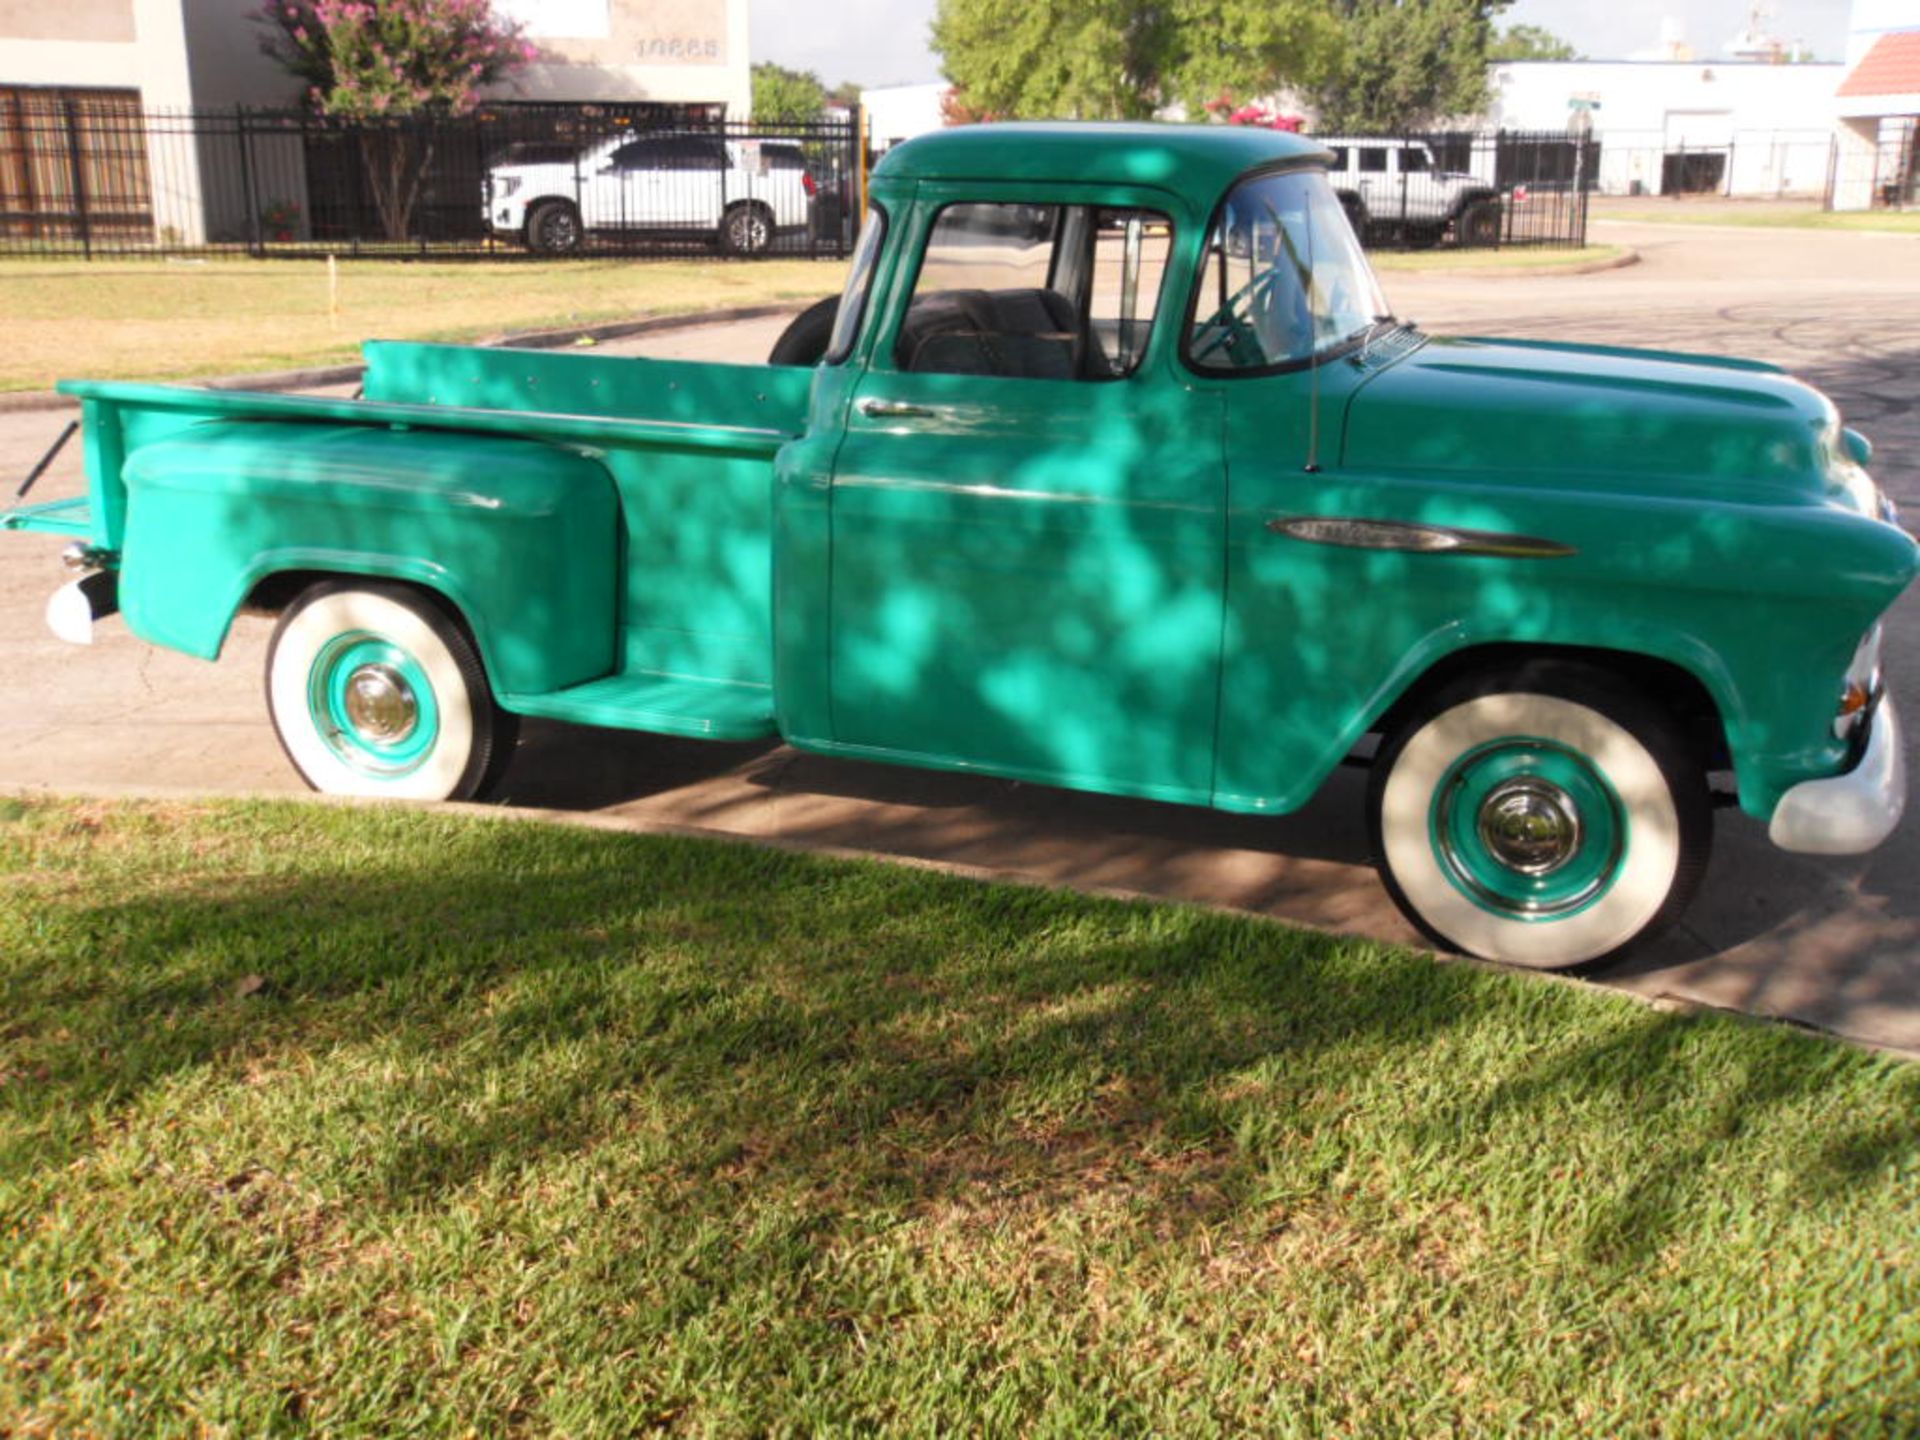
[1114,472]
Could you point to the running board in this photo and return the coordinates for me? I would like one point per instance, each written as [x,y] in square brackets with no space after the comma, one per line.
[664,704]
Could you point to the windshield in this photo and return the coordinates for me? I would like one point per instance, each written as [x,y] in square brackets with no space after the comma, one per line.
[1283,277]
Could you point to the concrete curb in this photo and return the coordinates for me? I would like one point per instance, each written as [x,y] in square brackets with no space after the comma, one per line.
[554,339]
[1627,256]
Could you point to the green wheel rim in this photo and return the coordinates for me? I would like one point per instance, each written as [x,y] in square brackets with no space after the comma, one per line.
[372,704]
[1528,829]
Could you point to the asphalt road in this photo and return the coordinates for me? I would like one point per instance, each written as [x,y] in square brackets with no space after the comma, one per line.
[1828,942]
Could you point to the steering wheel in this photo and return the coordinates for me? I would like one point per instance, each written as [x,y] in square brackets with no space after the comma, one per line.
[1234,324]
[1250,321]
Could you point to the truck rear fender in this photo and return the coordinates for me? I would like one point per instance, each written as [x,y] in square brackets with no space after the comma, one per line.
[521,538]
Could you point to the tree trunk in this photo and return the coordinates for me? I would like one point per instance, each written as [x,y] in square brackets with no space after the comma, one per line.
[397,158]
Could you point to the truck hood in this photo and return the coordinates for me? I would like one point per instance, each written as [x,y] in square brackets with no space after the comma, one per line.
[1689,424]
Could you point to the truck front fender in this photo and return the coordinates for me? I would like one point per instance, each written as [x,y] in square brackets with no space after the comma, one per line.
[520,536]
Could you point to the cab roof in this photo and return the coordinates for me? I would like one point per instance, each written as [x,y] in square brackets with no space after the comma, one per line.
[1194,160]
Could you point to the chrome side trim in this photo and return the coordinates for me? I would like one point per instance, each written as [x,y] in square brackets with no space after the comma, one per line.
[1359,533]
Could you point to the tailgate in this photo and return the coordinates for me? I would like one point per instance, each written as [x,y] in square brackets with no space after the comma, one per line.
[52,517]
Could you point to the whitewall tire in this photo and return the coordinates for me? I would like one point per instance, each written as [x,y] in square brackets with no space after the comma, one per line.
[375,690]
[1546,818]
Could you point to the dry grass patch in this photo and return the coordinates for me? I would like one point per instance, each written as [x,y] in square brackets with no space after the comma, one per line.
[186,319]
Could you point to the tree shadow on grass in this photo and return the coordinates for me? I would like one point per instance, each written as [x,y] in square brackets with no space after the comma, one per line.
[878,1038]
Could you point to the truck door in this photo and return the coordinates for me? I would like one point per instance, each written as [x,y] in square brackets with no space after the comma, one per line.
[1027,507]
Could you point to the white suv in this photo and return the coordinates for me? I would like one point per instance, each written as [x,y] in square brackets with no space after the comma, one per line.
[741,192]
[1394,187]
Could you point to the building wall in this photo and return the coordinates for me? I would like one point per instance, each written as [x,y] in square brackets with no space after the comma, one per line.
[225,63]
[900,112]
[1773,122]
[97,45]
[109,21]
[676,51]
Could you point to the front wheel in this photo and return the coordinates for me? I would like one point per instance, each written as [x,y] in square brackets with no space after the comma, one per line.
[375,690]
[1544,818]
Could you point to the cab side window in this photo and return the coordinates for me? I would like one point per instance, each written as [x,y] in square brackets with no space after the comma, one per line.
[1038,292]
[1373,161]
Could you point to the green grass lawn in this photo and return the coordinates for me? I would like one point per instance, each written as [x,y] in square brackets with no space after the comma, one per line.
[159,319]
[323,1120]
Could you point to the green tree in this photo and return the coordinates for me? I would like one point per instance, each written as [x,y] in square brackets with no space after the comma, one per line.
[371,62]
[1407,64]
[1125,59]
[786,97]
[1530,42]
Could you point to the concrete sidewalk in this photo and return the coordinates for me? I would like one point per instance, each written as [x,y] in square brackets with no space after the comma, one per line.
[1830,943]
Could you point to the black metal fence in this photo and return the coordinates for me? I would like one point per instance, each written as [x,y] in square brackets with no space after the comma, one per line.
[1468,189]
[91,173]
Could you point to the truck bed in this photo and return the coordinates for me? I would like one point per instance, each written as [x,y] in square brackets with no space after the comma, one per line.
[688,448]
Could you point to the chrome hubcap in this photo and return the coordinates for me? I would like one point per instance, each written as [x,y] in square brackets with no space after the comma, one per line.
[1530,825]
[381,704]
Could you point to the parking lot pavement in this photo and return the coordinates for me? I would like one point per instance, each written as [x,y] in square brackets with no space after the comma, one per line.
[1828,942]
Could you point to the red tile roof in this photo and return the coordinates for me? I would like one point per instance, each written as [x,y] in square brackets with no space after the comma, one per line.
[1891,67]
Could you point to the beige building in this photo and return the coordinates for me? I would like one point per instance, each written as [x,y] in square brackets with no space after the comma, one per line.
[93,95]
[678,52]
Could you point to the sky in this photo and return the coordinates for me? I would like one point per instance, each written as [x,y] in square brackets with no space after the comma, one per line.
[884,42]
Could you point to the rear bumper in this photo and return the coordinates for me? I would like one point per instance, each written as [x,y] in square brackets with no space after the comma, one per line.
[1851,813]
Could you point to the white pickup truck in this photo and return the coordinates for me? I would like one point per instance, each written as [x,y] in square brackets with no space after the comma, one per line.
[741,192]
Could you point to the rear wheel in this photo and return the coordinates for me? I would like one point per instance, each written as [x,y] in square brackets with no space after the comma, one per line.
[746,229]
[375,690]
[1479,224]
[1543,818]
[553,228]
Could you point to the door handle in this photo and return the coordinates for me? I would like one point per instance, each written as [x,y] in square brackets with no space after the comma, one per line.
[894,410]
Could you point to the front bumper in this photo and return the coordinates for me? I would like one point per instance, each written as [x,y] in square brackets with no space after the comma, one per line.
[1851,813]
